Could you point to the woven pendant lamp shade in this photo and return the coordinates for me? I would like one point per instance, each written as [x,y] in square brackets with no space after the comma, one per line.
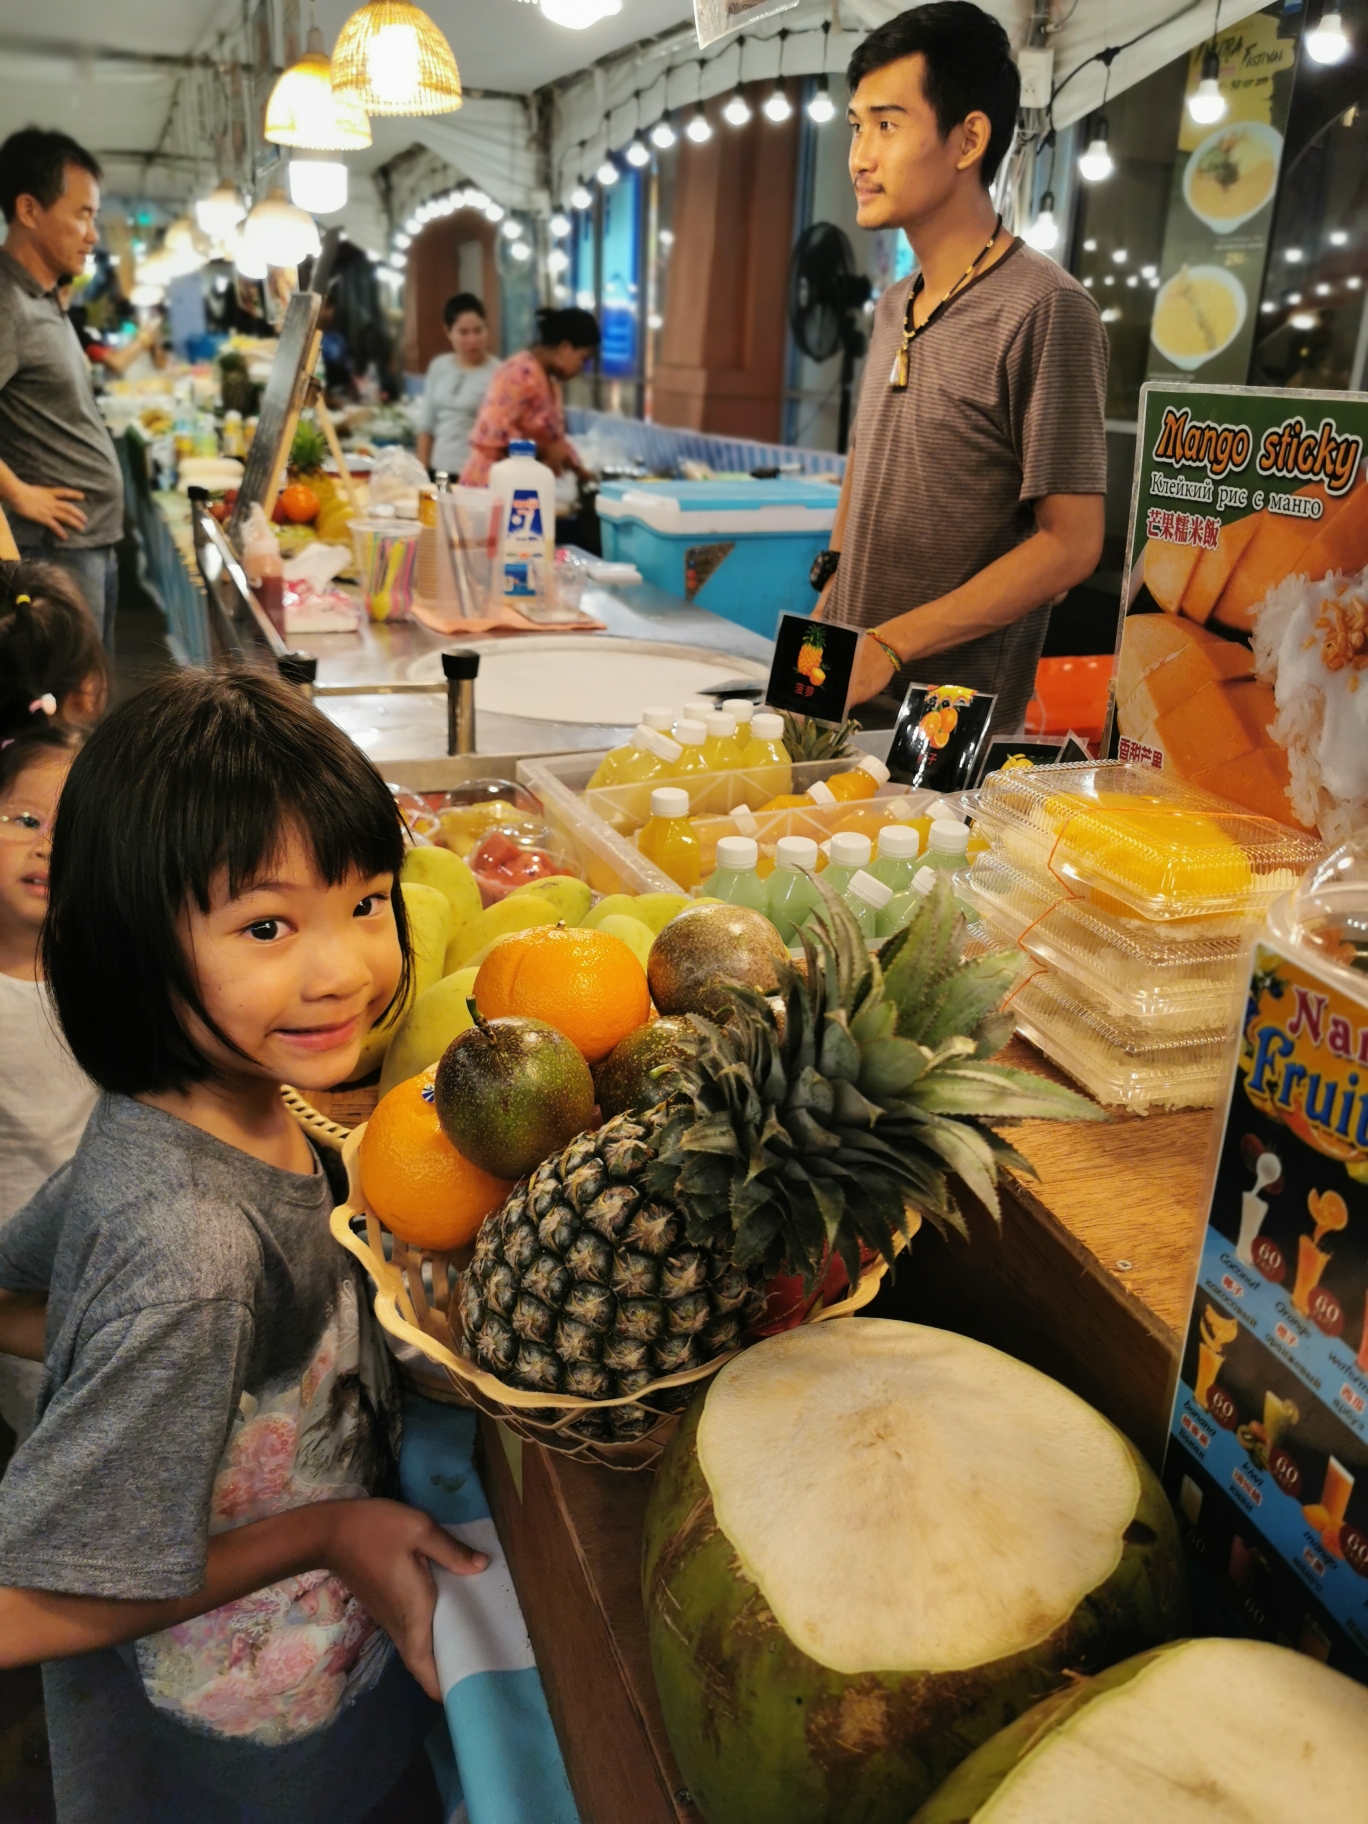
[305,111]
[392,59]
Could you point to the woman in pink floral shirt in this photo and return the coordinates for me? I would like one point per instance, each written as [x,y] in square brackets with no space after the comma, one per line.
[524,397]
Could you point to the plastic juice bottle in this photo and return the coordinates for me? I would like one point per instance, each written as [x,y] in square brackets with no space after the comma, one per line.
[902,905]
[650,759]
[847,853]
[866,898]
[767,771]
[668,838]
[722,751]
[792,894]
[658,718]
[690,737]
[734,878]
[947,852]
[696,709]
[863,780]
[897,859]
[526,491]
[743,709]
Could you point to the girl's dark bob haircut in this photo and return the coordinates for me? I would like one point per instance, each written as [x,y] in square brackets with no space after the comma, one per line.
[199,773]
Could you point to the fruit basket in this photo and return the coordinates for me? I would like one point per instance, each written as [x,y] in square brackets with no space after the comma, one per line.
[415,1301]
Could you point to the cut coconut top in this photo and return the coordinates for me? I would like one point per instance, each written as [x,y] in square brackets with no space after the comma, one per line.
[908,1500]
[1211,1732]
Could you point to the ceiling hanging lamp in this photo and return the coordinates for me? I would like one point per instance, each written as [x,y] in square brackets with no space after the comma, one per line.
[391,59]
[307,113]
[279,233]
[219,213]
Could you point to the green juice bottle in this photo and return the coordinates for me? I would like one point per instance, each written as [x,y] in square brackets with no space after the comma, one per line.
[847,853]
[792,890]
[896,863]
[734,878]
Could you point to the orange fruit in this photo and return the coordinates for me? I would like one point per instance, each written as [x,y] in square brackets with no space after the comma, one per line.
[299,503]
[419,1186]
[587,984]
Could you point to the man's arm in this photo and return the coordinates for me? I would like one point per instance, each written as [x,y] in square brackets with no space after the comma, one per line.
[424,448]
[54,508]
[1062,550]
[23,1324]
[378,1548]
[838,526]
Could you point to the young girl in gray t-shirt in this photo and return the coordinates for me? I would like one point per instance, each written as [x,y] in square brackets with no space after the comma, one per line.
[189,1539]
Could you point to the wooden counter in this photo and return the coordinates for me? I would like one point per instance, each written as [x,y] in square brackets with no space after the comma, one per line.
[1089,1279]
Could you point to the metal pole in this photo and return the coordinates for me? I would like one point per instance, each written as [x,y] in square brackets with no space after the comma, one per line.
[460,670]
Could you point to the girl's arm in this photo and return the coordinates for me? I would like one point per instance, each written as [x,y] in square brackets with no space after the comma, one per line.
[378,1548]
[23,1323]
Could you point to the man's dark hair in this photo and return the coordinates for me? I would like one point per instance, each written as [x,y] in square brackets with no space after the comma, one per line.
[577,327]
[33,162]
[458,305]
[198,775]
[967,67]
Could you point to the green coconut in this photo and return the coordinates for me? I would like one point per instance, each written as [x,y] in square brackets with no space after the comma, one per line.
[1201,1732]
[869,1547]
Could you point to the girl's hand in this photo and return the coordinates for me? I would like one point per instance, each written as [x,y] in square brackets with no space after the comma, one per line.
[380,1550]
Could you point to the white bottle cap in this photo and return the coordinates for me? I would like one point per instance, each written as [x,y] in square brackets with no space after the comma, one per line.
[948,837]
[849,849]
[898,843]
[941,812]
[656,743]
[658,718]
[900,807]
[878,772]
[690,733]
[795,852]
[745,820]
[720,726]
[766,726]
[669,801]
[740,707]
[696,708]
[924,879]
[820,793]
[872,892]
[737,852]
[641,737]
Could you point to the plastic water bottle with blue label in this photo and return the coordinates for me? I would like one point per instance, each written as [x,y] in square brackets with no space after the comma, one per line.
[526,491]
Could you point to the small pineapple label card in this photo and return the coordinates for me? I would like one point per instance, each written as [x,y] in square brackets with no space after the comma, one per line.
[810,675]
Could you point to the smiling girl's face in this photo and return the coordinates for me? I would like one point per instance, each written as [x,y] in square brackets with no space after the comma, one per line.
[294,971]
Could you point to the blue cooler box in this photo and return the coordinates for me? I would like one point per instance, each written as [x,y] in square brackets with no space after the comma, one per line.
[742,549]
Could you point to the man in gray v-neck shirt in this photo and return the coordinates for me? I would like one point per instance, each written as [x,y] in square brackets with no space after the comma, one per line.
[60,483]
[974,492]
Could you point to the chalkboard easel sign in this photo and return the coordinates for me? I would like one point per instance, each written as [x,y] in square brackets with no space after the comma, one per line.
[286,393]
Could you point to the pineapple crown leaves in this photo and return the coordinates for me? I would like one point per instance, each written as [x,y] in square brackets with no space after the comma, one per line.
[815,1120]
[805,738]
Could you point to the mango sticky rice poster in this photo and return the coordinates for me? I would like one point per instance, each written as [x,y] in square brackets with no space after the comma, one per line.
[1221,205]
[1242,664]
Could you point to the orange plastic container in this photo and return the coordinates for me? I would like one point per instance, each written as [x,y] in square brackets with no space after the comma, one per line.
[1070,694]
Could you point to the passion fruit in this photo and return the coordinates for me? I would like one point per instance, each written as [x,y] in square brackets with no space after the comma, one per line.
[710,945]
[624,1081]
[511,1092]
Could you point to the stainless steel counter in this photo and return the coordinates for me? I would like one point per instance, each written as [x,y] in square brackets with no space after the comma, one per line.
[413,726]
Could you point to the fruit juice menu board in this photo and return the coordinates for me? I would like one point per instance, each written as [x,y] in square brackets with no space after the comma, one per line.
[810,671]
[1242,661]
[1267,1461]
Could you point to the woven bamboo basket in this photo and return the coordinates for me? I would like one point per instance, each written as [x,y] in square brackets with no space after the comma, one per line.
[415,1301]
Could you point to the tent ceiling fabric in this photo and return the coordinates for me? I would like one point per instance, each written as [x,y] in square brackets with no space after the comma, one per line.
[53,75]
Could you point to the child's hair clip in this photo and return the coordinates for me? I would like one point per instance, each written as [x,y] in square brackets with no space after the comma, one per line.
[7,743]
[47,703]
[23,598]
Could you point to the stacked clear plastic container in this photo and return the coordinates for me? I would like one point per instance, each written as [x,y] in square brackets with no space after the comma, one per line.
[1134,896]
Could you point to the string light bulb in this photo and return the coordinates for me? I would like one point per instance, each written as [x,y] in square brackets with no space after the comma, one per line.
[581,197]
[1043,233]
[638,153]
[777,106]
[607,173]
[821,108]
[737,111]
[1095,165]
[559,226]
[699,129]
[1328,42]
[663,134]
[1206,104]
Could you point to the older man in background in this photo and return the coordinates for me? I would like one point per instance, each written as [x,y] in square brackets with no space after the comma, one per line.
[60,484]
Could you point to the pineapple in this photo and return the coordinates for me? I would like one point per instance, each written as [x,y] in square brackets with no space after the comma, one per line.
[809,1123]
[806,738]
[308,451]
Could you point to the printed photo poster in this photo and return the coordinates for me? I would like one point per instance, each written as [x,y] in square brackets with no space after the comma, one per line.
[1267,1461]
[1242,662]
[1220,207]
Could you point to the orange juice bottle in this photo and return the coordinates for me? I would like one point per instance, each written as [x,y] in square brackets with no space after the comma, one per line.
[669,840]
[659,718]
[651,758]
[692,764]
[696,709]
[862,781]
[766,770]
[722,751]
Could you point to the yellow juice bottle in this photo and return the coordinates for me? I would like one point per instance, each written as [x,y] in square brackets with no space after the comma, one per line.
[607,770]
[669,840]
[862,781]
[766,770]
[722,751]
[743,709]
[696,709]
[658,718]
[651,758]
[692,764]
